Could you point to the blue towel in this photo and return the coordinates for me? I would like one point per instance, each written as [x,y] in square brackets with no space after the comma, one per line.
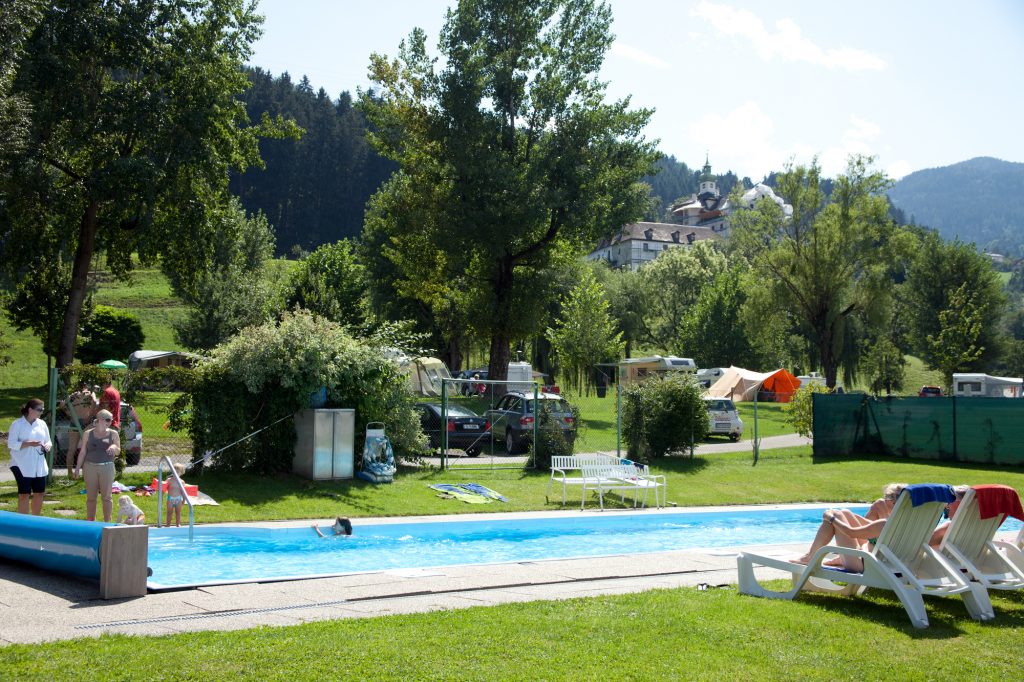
[921,493]
[482,490]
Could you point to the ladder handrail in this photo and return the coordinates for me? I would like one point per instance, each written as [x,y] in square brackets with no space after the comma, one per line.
[160,494]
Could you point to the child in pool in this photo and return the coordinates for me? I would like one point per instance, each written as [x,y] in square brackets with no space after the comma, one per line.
[175,496]
[342,526]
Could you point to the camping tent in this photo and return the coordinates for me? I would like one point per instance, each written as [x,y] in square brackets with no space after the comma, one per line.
[425,375]
[742,384]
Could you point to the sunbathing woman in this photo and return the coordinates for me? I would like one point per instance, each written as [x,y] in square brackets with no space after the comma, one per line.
[848,529]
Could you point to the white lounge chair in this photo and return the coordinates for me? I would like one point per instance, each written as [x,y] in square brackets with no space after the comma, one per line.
[969,542]
[900,561]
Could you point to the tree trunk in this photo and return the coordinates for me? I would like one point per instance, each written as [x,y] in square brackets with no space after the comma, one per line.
[453,354]
[501,335]
[828,362]
[79,285]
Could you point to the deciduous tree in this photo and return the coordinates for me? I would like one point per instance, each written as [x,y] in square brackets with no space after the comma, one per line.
[511,145]
[828,261]
[133,126]
[584,335]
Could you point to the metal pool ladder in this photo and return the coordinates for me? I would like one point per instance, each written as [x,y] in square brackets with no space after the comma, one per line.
[160,494]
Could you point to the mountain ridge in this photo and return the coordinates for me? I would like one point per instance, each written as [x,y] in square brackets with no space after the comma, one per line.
[980,201]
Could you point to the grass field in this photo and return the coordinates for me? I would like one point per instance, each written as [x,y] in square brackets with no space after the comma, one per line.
[665,634]
[679,634]
[784,475]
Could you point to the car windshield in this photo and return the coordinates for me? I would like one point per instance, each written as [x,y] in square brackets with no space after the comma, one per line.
[723,405]
[554,404]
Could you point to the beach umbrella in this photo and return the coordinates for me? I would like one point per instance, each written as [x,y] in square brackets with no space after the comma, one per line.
[112,364]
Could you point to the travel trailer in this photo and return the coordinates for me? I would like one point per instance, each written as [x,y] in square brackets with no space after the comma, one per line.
[984,385]
[632,370]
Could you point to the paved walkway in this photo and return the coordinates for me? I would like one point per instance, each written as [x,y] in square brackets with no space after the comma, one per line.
[37,606]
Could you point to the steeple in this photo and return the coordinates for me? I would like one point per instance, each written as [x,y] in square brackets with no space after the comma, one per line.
[708,186]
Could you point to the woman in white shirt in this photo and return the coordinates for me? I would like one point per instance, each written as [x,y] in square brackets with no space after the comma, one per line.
[29,441]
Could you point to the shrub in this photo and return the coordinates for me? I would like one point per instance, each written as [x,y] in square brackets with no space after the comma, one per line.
[663,415]
[110,334]
[799,411]
[269,371]
[551,441]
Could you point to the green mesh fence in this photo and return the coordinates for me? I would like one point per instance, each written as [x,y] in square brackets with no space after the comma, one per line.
[989,430]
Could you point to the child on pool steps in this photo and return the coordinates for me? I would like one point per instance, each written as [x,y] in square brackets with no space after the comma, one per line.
[175,495]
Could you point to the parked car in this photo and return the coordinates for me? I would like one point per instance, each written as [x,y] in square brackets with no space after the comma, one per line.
[466,429]
[723,418]
[929,392]
[469,388]
[512,419]
[131,436]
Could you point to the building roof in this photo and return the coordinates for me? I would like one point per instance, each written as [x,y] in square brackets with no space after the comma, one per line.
[668,233]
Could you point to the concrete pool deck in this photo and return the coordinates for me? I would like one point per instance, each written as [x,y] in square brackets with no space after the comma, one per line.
[37,606]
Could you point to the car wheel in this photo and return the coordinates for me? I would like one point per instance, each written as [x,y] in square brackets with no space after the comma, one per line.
[59,458]
[734,437]
[473,451]
[132,458]
[511,446]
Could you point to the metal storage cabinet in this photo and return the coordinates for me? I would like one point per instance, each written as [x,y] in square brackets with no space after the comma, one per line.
[325,444]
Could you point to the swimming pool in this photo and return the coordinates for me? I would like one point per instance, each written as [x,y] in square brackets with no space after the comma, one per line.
[229,554]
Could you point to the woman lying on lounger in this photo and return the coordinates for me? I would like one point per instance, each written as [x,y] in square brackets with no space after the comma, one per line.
[848,529]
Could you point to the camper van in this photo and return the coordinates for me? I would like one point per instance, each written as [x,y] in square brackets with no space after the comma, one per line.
[425,375]
[986,386]
[632,370]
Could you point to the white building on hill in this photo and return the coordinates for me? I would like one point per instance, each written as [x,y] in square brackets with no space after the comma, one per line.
[639,243]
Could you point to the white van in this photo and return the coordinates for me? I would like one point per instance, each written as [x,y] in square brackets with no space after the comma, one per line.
[723,418]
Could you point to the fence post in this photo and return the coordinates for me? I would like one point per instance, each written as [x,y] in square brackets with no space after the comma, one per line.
[618,420]
[955,455]
[757,441]
[444,424]
[52,406]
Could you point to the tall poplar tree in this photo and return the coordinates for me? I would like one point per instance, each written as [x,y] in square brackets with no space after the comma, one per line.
[512,148]
[829,262]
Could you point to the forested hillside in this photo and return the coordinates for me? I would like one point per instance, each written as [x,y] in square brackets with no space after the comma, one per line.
[313,190]
[980,201]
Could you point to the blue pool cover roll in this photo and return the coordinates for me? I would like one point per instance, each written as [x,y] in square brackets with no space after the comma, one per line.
[61,545]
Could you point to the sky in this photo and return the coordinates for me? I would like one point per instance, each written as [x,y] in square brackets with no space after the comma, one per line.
[752,85]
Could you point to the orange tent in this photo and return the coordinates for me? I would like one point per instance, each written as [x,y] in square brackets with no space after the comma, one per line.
[781,384]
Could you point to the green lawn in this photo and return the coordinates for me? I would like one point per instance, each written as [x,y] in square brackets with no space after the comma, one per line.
[784,475]
[678,634]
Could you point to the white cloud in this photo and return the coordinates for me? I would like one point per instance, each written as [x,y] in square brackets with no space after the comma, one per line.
[897,169]
[786,42]
[740,140]
[633,54]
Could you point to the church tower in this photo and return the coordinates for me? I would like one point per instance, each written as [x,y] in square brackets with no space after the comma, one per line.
[708,187]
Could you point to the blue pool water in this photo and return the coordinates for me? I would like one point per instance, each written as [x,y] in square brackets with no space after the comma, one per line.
[243,554]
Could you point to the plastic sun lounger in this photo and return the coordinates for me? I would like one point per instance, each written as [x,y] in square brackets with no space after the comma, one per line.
[901,561]
[970,546]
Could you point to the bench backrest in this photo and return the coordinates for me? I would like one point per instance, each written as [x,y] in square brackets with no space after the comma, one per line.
[577,462]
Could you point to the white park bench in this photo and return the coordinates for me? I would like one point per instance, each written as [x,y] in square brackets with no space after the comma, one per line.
[568,470]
